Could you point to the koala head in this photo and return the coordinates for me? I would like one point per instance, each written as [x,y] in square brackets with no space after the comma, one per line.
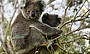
[51,20]
[32,10]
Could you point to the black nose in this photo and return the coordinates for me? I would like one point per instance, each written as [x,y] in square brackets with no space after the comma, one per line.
[33,14]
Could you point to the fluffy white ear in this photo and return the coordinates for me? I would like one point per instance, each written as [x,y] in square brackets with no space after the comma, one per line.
[21,3]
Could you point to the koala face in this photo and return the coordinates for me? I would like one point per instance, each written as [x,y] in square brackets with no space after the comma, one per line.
[32,10]
[51,20]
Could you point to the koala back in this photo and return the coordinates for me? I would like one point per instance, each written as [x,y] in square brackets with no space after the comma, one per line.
[24,37]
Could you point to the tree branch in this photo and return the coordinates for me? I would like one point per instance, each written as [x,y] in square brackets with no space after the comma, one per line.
[67,34]
[75,20]
[79,9]
[3,35]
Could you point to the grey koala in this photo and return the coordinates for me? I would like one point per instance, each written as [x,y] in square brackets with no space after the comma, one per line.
[27,32]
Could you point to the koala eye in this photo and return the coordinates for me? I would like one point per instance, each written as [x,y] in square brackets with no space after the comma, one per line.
[21,7]
[37,11]
[28,11]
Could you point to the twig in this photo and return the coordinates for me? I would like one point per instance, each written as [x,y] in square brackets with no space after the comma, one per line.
[14,11]
[79,9]
[9,23]
[85,38]
[74,20]
[71,40]
[3,35]
[9,27]
[61,48]
[50,1]
[67,8]
[65,12]
[75,39]
[88,26]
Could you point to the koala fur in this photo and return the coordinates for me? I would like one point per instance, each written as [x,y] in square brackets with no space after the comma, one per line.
[51,19]
[34,9]
[27,32]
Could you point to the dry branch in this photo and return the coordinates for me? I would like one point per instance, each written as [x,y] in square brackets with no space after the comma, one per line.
[75,20]
[79,9]
[3,35]
[67,34]
[3,32]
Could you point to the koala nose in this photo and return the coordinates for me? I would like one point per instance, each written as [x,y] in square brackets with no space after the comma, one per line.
[56,16]
[33,14]
[59,19]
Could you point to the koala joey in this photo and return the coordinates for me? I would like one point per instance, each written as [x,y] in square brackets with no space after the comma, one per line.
[51,20]
[27,31]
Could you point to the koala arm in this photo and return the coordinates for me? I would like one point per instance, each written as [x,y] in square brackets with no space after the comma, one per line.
[43,28]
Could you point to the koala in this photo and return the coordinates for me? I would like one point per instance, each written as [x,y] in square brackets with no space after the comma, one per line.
[34,10]
[51,20]
[27,31]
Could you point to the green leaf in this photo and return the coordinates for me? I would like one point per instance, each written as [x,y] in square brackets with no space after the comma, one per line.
[1,49]
[88,21]
[83,10]
[75,52]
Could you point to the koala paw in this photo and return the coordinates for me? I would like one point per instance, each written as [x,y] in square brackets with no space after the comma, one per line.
[58,31]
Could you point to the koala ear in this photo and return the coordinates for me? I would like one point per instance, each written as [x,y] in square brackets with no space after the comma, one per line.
[41,4]
[27,3]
